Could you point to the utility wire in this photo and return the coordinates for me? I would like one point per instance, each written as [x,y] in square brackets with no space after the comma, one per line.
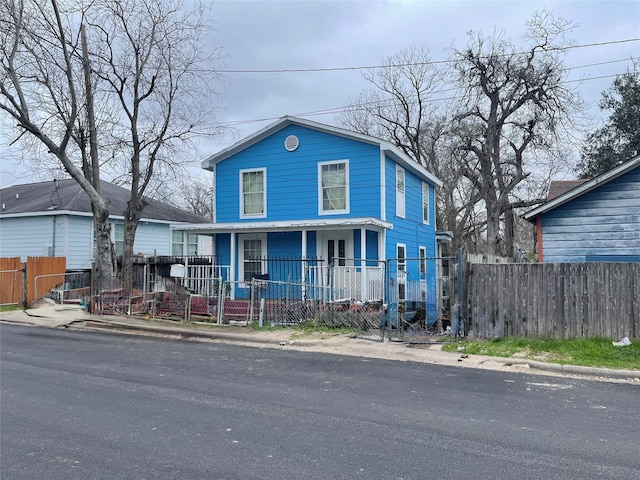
[396,65]
[358,106]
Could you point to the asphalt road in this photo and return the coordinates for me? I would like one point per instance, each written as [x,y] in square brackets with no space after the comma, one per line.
[87,405]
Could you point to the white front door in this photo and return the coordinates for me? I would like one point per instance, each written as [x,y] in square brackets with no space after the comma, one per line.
[335,245]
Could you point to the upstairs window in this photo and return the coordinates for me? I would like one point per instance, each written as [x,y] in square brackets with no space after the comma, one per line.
[400,191]
[425,203]
[333,187]
[253,189]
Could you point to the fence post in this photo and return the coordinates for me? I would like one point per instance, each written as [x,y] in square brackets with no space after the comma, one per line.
[25,299]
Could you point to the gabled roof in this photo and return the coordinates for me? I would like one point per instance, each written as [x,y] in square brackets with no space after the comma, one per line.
[584,188]
[44,198]
[560,187]
[391,150]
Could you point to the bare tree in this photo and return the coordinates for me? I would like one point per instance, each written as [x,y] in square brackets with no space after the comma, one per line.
[515,104]
[41,92]
[407,106]
[146,61]
[192,194]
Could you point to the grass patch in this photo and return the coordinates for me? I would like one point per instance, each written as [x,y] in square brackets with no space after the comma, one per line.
[10,308]
[590,352]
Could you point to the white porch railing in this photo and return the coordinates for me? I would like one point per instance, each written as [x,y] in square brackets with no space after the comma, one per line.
[362,284]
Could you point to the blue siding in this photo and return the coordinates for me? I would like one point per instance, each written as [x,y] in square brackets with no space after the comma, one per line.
[409,230]
[292,177]
[284,244]
[601,225]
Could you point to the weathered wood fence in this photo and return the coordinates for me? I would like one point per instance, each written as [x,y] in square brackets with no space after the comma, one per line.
[558,300]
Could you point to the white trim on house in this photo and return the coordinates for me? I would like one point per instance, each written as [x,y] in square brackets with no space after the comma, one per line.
[264,192]
[283,225]
[241,238]
[74,213]
[401,189]
[383,186]
[584,188]
[426,195]
[342,211]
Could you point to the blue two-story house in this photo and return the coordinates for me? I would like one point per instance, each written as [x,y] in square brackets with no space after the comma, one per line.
[322,197]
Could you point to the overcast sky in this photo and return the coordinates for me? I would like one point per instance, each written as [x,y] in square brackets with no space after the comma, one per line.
[273,35]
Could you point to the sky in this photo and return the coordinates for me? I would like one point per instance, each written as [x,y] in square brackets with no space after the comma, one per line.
[306,35]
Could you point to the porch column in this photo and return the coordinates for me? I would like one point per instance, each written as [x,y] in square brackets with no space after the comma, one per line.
[304,263]
[232,273]
[363,263]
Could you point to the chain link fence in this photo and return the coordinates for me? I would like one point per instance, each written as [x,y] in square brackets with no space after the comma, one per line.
[421,293]
[64,288]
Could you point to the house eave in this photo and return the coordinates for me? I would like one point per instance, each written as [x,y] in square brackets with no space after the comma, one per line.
[279,226]
[386,147]
[584,188]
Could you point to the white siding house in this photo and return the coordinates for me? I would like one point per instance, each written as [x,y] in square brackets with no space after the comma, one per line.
[55,219]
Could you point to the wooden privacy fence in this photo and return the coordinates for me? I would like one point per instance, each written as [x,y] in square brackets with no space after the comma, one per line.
[11,281]
[558,300]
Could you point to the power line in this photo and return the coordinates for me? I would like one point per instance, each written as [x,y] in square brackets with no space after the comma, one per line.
[334,110]
[435,62]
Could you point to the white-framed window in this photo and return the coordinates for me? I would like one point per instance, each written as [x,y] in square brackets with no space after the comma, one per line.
[253,193]
[177,243]
[333,187]
[423,261]
[181,239]
[425,203]
[401,252]
[252,252]
[118,238]
[400,191]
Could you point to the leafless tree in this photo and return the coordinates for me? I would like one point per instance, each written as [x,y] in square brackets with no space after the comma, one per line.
[407,106]
[514,111]
[146,59]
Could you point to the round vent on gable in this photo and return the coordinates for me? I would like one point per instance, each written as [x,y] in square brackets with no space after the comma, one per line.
[291,143]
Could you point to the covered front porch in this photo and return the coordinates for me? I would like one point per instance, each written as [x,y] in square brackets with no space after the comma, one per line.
[344,257]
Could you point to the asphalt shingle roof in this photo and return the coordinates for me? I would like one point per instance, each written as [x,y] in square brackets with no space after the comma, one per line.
[69,196]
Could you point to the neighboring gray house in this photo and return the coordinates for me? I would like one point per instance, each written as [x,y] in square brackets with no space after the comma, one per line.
[595,221]
[54,219]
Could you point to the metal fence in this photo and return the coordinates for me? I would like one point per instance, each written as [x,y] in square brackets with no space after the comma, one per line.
[64,288]
[270,303]
[422,297]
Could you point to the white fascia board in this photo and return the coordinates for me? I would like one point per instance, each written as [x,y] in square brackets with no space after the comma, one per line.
[584,188]
[321,224]
[72,213]
[409,163]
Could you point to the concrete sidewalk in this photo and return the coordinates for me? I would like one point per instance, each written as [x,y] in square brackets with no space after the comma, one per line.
[58,316]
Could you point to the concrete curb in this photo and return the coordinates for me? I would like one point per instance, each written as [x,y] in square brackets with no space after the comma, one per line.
[83,320]
[571,369]
[549,367]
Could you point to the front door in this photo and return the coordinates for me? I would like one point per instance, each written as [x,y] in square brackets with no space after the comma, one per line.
[336,247]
